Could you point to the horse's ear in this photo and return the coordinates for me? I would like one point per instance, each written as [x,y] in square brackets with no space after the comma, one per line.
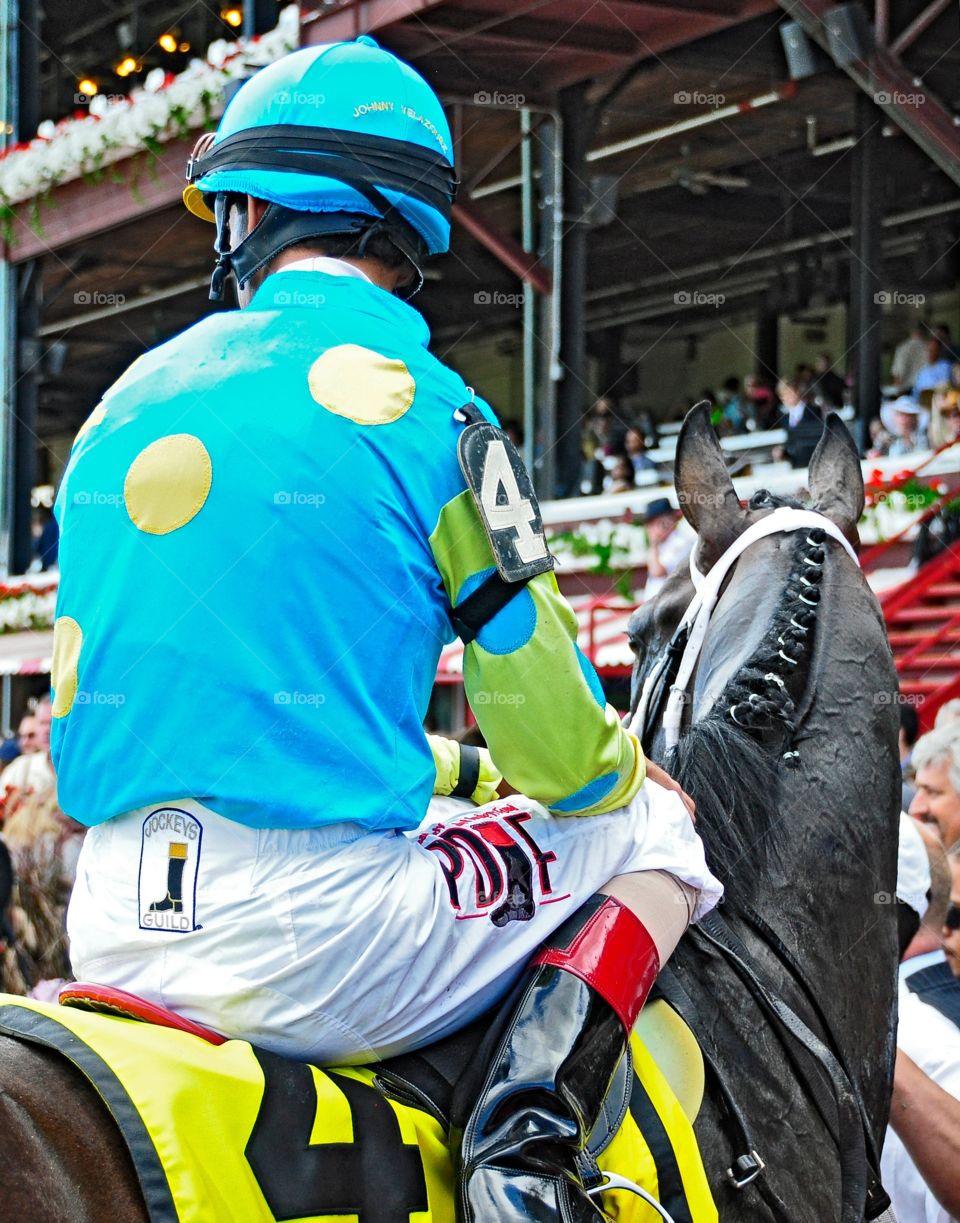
[705,491]
[835,479]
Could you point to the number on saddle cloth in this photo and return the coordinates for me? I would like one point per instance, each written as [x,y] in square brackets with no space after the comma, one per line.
[284,1140]
[508,508]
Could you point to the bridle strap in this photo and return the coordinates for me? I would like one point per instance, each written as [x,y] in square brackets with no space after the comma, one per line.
[700,609]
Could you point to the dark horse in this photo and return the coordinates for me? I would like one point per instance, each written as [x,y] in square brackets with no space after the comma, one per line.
[808,855]
[789,748]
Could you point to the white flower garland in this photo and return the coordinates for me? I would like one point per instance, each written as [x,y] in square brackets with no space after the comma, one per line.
[162,109]
[25,608]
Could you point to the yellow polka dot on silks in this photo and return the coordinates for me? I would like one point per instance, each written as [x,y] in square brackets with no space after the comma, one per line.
[67,640]
[168,483]
[362,385]
[95,417]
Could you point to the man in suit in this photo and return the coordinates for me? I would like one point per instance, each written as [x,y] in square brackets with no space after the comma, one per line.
[803,424]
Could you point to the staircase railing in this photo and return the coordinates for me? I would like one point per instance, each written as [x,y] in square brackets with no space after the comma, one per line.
[944,565]
[933,638]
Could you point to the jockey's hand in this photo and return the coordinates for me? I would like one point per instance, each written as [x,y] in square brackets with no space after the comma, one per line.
[446,759]
[657,775]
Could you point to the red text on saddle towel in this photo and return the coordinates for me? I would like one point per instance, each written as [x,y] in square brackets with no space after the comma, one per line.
[615,955]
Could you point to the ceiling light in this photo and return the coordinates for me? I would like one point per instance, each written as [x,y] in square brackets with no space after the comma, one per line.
[168,42]
[127,65]
[184,46]
[232,15]
[87,87]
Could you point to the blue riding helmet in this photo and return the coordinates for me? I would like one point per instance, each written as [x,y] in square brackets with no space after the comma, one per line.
[345,132]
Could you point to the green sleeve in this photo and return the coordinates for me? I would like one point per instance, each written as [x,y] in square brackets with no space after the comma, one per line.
[535,695]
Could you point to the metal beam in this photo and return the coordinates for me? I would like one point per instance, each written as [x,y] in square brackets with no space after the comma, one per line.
[572,391]
[865,265]
[359,17]
[510,253]
[918,25]
[891,86]
[72,321]
[23,298]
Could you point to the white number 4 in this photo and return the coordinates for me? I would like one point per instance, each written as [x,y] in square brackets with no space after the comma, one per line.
[516,512]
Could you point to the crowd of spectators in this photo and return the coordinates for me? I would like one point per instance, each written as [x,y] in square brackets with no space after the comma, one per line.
[922,409]
[616,450]
[39,847]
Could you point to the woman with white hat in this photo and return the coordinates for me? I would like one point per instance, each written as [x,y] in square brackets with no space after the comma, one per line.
[906,421]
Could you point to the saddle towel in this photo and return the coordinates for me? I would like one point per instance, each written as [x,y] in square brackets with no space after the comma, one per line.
[340,945]
[233,1134]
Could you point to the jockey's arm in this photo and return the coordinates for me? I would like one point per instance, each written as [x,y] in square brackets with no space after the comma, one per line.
[536,697]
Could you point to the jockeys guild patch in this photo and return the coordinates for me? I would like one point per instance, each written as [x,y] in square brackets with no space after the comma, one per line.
[169,864]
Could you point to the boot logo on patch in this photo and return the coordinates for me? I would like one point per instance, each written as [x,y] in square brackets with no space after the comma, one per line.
[169,862]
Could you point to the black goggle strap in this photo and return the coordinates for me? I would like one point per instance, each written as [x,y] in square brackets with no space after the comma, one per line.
[351,157]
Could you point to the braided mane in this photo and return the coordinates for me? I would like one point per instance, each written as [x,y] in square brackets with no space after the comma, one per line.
[730,760]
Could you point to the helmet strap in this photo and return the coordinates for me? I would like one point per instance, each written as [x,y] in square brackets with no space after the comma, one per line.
[281,227]
[392,234]
[222,203]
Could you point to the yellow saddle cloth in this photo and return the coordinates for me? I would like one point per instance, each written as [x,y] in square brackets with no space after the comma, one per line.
[233,1134]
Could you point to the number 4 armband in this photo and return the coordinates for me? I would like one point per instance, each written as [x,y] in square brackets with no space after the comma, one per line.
[504,496]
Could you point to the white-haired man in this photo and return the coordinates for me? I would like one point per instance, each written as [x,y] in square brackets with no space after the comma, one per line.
[936,762]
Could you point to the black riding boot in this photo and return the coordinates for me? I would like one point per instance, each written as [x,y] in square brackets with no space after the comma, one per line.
[551,1066]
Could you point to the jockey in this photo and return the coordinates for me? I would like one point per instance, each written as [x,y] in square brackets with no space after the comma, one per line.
[270,527]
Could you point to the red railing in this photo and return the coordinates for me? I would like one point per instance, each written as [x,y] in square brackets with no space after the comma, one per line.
[934,638]
[600,605]
[948,562]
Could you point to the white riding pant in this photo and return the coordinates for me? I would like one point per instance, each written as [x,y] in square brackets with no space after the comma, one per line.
[338,944]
